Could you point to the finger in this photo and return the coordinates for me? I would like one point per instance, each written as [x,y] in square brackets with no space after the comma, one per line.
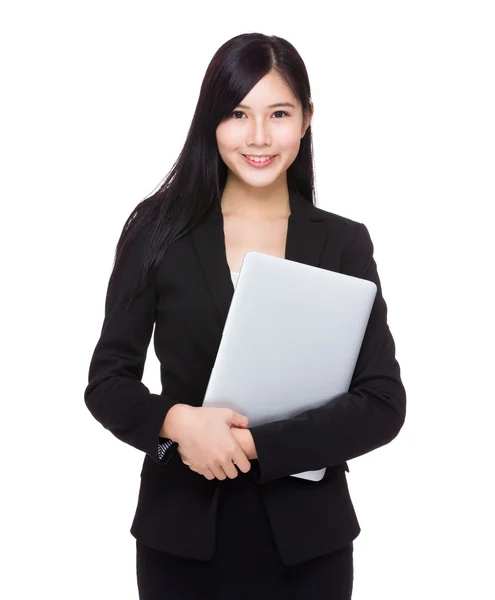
[218,472]
[241,460]
[230,469]
[238,419]
[208,474]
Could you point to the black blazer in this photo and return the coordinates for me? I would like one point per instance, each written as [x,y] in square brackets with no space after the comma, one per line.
[188,303]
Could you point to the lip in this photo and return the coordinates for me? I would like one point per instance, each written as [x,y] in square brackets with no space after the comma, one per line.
[259,165]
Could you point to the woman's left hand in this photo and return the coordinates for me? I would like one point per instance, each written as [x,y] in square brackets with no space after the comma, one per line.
[245,440]
[242,436]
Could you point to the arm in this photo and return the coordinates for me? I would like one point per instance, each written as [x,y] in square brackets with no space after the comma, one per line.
[370,415]
[115,394]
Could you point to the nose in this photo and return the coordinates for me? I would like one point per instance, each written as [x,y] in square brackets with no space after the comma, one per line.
[259,134]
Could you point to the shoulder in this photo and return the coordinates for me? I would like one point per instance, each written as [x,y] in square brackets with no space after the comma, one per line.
[353,238]
[341,227]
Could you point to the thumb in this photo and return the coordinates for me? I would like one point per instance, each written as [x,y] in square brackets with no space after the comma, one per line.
[239,420]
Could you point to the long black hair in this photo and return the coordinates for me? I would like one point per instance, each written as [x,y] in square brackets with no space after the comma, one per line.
[196,181]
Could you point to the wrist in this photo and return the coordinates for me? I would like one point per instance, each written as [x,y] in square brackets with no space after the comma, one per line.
[171,421]
[253,454]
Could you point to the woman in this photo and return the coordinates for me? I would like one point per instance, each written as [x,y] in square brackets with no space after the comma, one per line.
[218,515]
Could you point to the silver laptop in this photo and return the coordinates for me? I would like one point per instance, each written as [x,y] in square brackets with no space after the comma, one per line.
[291,340]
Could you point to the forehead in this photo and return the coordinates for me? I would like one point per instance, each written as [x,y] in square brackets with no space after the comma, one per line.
[271,91]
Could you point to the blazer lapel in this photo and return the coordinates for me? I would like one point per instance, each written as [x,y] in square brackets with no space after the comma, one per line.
[305,240]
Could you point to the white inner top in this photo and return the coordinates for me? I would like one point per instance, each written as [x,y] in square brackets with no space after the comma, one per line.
[234,277]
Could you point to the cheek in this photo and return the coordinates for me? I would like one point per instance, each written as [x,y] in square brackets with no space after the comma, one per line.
[289,140]
[226,139]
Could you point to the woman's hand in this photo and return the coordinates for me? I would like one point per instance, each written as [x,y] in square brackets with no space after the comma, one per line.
[245,440]
[206,443]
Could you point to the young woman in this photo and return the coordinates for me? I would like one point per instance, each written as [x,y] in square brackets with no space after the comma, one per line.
[217,514]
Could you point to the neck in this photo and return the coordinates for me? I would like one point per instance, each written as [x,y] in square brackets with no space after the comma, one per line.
[246,201]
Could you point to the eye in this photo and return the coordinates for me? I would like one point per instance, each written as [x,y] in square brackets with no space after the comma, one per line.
[236,112]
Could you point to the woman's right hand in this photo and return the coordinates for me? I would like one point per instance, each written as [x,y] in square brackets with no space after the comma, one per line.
[206,442]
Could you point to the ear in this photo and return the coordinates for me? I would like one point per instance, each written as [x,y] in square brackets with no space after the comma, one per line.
[307,120]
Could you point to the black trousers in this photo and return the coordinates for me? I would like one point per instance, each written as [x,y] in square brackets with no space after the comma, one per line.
[246,564]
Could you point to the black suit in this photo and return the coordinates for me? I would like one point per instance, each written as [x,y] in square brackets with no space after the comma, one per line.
[189,302]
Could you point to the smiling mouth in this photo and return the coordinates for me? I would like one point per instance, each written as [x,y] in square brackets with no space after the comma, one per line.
[259,156]
[261,162]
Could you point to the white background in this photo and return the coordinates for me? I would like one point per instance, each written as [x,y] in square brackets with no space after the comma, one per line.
[96,103]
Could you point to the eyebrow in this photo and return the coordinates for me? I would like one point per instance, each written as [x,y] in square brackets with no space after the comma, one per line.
[289,104]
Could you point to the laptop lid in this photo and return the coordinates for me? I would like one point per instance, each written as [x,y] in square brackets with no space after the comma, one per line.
[291,339]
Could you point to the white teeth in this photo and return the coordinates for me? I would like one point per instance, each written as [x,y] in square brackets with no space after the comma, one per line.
[258,159]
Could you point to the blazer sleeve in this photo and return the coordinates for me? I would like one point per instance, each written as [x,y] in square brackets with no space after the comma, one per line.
[165,445]
[115,394]
[368,416]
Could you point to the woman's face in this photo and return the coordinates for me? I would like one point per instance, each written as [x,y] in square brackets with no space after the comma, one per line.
[256,128]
